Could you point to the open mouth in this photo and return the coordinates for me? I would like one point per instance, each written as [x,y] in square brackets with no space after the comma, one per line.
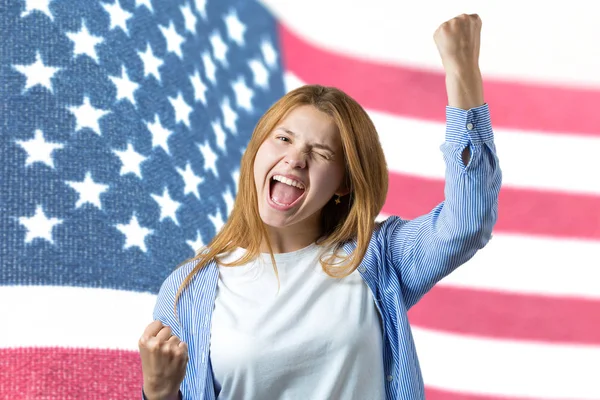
[284,191]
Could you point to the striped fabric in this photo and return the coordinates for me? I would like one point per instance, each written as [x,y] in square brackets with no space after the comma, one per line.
[403,262]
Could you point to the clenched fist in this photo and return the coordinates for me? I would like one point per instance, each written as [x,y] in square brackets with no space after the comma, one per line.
[458,42]
[164,360]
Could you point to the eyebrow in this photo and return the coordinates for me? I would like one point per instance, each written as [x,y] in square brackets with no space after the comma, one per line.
[316,145]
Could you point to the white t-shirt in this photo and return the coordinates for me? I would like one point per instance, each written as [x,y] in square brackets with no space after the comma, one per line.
[319,338]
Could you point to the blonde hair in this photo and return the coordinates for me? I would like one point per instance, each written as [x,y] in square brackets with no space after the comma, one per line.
[353,219]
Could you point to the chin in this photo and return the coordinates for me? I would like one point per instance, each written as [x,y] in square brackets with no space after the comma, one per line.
[274,220]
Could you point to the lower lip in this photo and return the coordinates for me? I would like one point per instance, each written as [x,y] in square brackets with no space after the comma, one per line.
[279,206]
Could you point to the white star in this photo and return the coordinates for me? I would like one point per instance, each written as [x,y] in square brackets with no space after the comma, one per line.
[174,40]
[219,48]
[219,133]
[210,158]
[84,42]
[38,150]
[39,226]
[260,72]
[168,206]
[269,53]
[151,62]
[88,190]
[37,73]
[118,16]
[182,109]
[243,94]
[131,160]
[217,220]
[147,3]
[191,180]
[189,18]
[235,28]
[230,117]
[39,5]
[88,116]
[160,134]
[209,68]
[235,175]
[125,86]
[135,235]
[199,87]
[229,201]
[196,244]
[201,7]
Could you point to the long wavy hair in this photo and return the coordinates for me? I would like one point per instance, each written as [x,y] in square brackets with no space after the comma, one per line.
[353,219]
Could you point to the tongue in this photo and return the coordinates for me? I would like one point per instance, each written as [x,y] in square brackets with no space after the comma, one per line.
[285,194]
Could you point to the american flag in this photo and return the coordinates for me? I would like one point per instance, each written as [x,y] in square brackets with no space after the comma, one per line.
[123,122]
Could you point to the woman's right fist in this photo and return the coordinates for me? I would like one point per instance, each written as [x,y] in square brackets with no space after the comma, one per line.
[164,360]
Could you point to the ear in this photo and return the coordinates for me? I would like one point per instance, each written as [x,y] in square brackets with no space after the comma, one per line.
[345,187]
[342,191]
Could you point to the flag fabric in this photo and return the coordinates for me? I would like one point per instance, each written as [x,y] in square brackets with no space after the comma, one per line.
[123,122]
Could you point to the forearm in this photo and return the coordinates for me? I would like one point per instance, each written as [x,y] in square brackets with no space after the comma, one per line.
[464,87]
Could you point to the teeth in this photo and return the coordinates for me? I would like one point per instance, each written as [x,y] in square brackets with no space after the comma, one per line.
[288,181]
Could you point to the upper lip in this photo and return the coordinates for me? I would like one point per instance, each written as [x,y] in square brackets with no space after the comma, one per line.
[289,176]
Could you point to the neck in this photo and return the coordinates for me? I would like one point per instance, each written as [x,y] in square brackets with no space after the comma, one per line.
[288,239]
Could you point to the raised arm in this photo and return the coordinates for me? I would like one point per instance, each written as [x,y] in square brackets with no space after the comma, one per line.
[428,248]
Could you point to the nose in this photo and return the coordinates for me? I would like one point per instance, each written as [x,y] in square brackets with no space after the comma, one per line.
[295,159]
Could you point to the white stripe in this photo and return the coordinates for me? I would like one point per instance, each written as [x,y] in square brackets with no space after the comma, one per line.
[522,40]
[531,265]
[497,367]
[73,317]
[528,159]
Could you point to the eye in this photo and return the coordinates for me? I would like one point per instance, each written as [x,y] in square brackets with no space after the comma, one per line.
[283,138]
[323,156]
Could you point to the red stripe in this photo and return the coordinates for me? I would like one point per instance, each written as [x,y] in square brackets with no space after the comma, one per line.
[509,315]
[522,211]
[59,373]
[421,94]
[436,394]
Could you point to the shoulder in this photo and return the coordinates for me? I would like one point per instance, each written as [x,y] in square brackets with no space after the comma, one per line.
[384,231]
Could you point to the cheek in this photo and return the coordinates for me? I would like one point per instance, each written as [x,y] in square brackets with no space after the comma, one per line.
[329,178]
[261,162]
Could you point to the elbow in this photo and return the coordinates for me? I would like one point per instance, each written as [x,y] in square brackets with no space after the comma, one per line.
[480,233]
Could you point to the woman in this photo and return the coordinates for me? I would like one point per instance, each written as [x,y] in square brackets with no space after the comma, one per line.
[302,295]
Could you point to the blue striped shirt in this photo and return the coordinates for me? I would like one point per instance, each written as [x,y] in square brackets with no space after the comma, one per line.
[405,259]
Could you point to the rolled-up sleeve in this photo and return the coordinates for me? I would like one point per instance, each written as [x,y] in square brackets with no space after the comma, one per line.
[428,248]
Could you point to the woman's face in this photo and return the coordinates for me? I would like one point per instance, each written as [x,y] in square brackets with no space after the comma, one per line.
[298,169]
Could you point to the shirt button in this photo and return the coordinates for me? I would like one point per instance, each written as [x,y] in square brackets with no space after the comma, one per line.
[470,126]
[390,378]
[361,268]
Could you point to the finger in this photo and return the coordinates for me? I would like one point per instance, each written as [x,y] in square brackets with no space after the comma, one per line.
[174,340]
[164,334]
[152,329]
[476,18]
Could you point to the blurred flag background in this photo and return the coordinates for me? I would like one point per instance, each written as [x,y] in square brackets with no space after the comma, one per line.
[122,123]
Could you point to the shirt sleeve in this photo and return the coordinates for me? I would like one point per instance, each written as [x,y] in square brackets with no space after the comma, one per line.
[428,248]
[179,396]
